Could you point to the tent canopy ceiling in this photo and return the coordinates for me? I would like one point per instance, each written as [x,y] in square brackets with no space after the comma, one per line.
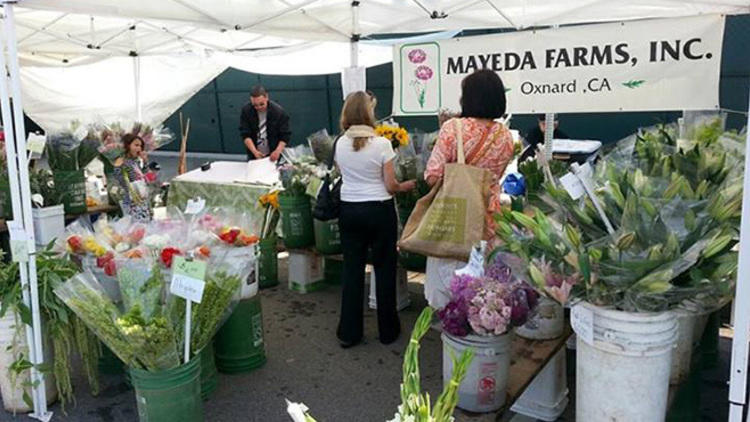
[74,32]
[64,45]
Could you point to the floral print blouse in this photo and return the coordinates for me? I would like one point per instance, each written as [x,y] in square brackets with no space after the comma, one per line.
[495,157]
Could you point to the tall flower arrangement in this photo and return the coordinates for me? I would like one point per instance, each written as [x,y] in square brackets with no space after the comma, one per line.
[674,206]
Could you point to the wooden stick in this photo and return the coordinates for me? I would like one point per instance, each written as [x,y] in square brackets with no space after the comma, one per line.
[182,164]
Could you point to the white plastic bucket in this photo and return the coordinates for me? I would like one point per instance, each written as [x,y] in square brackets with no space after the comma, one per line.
[402,290]
[485,387]
[690,326]
[13,336]
[49,224]
[624,374]
[547,396]
[547,323]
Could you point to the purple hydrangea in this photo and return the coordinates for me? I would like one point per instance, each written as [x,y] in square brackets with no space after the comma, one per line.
[454,318]
[497,270]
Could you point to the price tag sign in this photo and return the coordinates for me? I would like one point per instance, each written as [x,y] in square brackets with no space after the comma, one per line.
[582,321]
[35,143]
[314,186]
[188,279]
[19,242]
[194,206]
[573,185]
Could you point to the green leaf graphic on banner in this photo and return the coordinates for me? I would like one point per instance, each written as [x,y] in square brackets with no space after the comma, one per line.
[634,84]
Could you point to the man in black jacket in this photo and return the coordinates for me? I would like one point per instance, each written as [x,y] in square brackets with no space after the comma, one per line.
[264,126]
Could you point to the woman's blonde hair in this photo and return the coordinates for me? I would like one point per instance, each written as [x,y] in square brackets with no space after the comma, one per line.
[358,110]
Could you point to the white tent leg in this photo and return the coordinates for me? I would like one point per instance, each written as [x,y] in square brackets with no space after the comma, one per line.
[137,81]
[738,374]
[21,198]
[354,52]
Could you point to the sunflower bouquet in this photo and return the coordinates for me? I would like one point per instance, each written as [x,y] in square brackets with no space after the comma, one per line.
[398,136]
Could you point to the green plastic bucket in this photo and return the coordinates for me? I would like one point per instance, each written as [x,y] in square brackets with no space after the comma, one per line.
[109,363]
[268,264]
[332,271]
[239,343]
[209,379]
[71,188]
[296,221]
[173,395]
[327,237]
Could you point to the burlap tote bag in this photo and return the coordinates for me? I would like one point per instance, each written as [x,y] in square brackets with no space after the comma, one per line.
[449,220]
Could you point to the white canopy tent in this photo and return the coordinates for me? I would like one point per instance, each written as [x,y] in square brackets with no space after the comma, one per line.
[110,59]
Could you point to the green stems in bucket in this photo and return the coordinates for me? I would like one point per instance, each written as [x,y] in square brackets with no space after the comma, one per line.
[448,399]
[416,405]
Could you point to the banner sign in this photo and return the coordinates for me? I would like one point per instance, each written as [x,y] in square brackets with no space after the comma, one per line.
[650,65]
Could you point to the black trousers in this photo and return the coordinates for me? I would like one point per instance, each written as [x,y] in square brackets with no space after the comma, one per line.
[365,225]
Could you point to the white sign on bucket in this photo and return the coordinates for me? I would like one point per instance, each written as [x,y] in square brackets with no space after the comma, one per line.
[582,321]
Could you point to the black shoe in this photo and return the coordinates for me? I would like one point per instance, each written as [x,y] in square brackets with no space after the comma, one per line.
[392,338]
[348,344]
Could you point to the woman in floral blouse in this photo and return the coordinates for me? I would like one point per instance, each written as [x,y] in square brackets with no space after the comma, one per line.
[131,179]
[488,145]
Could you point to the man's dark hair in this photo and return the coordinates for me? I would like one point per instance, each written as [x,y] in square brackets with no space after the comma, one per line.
[483,95]
[258,91]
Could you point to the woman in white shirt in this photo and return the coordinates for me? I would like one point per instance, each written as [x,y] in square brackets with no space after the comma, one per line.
[367,220]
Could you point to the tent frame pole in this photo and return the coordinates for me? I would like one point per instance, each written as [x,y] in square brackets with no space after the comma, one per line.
[137,82]
[738,373]
[354,46]
[18,173]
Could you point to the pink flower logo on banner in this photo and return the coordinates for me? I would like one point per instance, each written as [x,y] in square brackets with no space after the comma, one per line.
[423,73]
[417,56]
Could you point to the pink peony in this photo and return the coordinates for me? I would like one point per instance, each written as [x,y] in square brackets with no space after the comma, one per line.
[417,56]
[423,73]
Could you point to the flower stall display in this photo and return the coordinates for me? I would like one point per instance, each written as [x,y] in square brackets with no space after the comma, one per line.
[485,304]
[68,153]
[64,332]
[294,201]
[146,328]
[663,239]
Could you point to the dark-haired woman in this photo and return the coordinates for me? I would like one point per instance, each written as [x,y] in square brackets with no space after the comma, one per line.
[487,144]
[130,177]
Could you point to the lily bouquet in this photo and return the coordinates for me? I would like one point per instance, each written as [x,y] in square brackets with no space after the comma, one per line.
[673,208]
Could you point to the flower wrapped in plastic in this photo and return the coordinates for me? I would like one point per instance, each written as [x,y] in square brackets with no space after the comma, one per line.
[487,304]
[140,342]
[321,144]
